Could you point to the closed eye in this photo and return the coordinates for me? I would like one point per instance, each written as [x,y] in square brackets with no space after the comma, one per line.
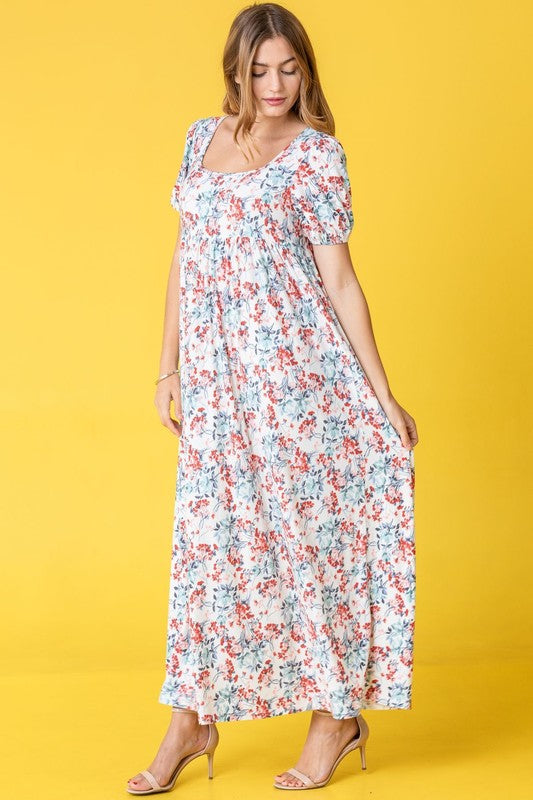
[283,72]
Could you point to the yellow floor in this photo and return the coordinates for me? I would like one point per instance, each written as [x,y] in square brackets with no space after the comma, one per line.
[78,736]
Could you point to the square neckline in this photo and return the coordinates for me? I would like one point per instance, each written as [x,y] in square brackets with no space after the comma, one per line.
[279,155]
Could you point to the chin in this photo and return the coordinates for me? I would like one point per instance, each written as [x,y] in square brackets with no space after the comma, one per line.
[274,111]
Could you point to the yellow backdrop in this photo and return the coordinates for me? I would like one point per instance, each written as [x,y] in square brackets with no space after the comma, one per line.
[433,106]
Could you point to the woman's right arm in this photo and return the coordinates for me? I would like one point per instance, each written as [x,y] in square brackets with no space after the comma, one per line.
[169,388]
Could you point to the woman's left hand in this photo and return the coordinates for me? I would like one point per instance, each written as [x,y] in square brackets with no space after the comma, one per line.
[402,422]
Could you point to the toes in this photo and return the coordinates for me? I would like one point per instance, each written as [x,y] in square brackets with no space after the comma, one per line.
[136,782]
[288,780]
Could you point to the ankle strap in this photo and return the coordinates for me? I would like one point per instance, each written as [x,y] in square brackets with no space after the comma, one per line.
[329,714]
[183,710]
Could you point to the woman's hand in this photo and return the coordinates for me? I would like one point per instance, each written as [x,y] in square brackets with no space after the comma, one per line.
[401,421]
[169,389]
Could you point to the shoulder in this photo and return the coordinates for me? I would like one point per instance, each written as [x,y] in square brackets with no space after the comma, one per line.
[195,136]
[322,155]
[198,125]
[325,147]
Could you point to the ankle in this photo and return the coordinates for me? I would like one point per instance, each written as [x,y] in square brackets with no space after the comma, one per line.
[328,719]
[185,721]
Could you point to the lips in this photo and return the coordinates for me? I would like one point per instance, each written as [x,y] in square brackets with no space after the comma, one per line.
[275,100]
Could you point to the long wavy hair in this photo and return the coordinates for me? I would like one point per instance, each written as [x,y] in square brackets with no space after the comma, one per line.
[252,26]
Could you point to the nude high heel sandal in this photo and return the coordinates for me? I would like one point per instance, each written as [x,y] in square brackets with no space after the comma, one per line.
[358,741]
[209,750]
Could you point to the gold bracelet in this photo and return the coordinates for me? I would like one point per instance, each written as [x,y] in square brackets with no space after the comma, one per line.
[167,375]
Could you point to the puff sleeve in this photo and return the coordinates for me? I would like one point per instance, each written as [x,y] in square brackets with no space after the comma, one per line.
[175,195]
[324,194]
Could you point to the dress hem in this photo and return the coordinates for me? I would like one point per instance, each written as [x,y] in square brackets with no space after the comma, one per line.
[294,709]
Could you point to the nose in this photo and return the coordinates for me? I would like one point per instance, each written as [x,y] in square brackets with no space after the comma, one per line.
[276,84]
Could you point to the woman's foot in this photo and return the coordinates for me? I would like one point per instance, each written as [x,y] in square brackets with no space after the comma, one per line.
[325,740]
[184,736]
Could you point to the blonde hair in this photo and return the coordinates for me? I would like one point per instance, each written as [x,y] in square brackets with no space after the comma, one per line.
[253,25]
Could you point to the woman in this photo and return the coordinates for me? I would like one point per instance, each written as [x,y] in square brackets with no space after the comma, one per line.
[292,578]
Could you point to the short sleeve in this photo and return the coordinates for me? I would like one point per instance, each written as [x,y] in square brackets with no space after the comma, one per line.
[175,195]
[324,195]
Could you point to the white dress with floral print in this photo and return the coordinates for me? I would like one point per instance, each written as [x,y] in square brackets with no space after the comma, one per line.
[292,583]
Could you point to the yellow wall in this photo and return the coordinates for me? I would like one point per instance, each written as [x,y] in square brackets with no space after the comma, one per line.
[432,104]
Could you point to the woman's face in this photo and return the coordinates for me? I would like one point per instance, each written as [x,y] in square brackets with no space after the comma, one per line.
[275,74]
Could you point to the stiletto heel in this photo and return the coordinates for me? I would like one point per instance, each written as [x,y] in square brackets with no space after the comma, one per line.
[358,741]
[209,750]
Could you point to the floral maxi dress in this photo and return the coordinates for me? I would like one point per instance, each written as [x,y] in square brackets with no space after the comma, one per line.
[292,583]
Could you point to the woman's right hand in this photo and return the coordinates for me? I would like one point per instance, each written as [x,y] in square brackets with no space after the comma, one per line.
[169,389]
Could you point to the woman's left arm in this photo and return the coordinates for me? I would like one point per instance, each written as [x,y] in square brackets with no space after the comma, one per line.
[340,281]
